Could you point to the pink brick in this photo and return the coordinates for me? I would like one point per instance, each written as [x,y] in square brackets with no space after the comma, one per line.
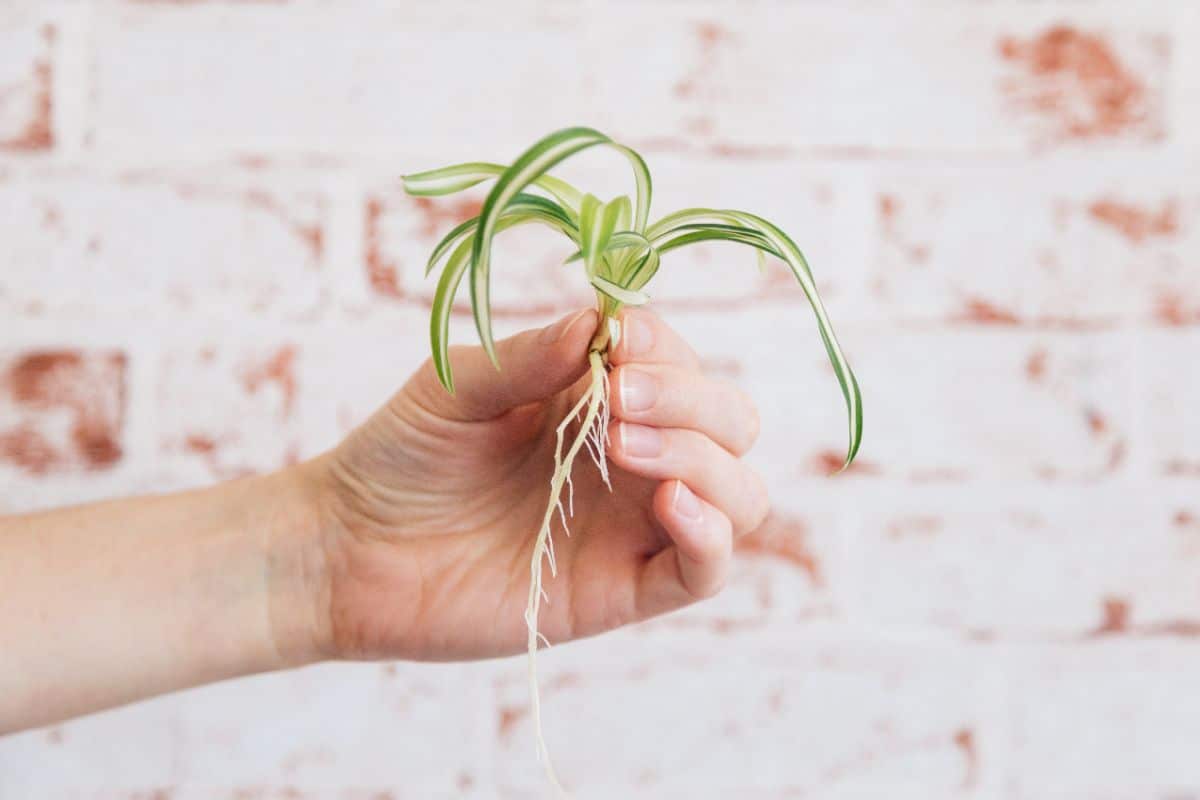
[1072,83]
[769,714]
[61,410]
[1064,246]
[153,244]
[26,85]
[965,79]
[1171,395]
[1070,565]
[1112,720]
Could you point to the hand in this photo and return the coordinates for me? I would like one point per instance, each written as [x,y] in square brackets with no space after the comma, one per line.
[430,509]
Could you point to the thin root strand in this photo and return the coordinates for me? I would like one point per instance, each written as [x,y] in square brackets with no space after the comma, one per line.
[593,434]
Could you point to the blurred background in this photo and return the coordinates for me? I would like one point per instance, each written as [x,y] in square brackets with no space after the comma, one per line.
[207,264]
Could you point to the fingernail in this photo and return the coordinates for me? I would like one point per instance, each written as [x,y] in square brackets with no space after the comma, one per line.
[638,337]
[684,502]
[640,441]
[555,331]
[638,389]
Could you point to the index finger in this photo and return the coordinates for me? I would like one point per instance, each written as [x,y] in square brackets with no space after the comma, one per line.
[646,338]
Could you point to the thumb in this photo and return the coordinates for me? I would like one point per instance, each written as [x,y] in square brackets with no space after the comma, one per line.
[534,365]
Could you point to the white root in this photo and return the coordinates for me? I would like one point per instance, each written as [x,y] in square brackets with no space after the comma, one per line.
[593,433]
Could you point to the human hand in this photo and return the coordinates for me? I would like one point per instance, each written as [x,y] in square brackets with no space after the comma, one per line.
[429,511]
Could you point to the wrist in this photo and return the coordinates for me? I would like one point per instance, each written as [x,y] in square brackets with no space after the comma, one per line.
[295,568]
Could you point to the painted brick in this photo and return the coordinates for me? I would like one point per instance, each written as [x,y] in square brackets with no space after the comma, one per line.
[1171,395]
[167,78]
[26,83]
[869,721]
[205,243]
[154,245]
[1083,717]
[1072,245]
[1185,85]
[347,369]
[61,410]
[336,718]
[1072,566]
[226,741]
[227,411]
[938,406]
[100,756]
[872,80]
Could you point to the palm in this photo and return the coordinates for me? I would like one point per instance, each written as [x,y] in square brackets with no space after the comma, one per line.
[437,521]
[484,490]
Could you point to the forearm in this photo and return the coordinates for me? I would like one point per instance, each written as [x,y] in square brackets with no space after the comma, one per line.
[108,603]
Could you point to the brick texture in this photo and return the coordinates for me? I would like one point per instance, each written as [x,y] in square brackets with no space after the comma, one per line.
[209,269]
[26,83]
[88,243]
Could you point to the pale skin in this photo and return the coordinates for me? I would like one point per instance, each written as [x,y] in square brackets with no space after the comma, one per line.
[409,540]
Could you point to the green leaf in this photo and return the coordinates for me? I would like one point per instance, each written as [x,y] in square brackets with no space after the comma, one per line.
[547,210]
[448,241]
[589,222]
[619,261]
[448,180]
[456,178]
[439,317]
[704,234]
[703,216]
[531,165]
[620,240]
[641,175]
[628,297]
[643,270]
[794,258]
[623,239]
[456,267]
[597,223]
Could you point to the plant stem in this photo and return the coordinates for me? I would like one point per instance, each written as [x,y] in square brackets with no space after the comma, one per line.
[603,337]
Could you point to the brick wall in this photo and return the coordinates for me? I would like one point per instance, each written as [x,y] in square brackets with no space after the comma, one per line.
[208,269]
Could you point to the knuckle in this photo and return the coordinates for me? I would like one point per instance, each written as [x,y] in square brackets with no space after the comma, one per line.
[758,503]
[753,422]
[709,588]
[684,397]
[717,577]
[762,502]
[744,419]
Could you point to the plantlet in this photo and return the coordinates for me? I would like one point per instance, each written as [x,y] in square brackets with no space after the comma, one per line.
[620,251]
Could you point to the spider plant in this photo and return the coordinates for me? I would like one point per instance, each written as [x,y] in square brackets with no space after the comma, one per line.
[620,252]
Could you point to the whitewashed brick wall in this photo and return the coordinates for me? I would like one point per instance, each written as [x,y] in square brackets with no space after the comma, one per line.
[200,223]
